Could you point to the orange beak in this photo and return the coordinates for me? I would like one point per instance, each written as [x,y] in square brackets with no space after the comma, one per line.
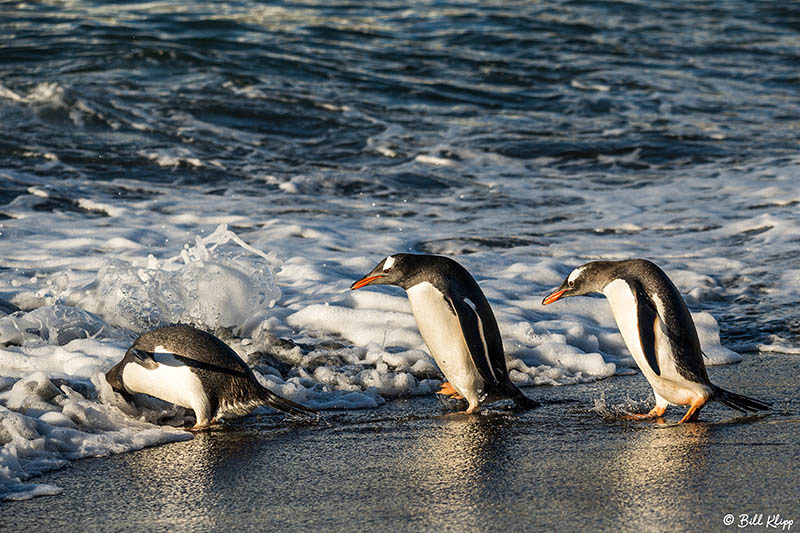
[364,281]
[553,297]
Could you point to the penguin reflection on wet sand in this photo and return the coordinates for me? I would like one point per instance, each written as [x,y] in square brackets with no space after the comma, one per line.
[194,369]
[659,332]
[456,323]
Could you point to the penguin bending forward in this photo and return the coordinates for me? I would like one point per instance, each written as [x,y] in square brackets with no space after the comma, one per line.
[659,332]
[456,323]
[194,369]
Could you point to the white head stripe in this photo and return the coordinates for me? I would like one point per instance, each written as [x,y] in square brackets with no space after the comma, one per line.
[575,274]
[163,356]
[166,358]
[388,263]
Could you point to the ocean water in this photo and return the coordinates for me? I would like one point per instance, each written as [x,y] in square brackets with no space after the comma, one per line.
[237,166]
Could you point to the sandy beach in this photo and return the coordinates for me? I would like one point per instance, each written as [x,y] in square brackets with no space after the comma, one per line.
[409,466]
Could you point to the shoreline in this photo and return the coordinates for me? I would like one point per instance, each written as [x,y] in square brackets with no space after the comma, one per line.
[410,465]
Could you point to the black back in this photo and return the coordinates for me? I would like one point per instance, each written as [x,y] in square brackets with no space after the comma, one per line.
[458,286]
[676,321]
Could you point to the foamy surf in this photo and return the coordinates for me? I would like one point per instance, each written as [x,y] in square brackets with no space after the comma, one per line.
[314,344]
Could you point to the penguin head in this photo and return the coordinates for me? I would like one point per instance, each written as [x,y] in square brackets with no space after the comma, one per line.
[393,270]
[134,355]
[114,377]
[585,279]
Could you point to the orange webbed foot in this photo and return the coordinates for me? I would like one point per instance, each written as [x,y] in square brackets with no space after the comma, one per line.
[694,410]
[471,410]
[448,390]
[655,412]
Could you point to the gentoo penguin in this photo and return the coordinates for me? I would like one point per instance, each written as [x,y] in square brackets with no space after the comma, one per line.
[658,330]
[457,324]
[194,369]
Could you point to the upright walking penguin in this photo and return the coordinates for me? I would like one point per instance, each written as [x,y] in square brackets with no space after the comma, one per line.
[658,330]
[457,324]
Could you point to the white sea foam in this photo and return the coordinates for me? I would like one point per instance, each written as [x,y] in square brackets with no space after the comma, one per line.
[433,160]
[275,281]
[42,93]
[166,158]
[44,426]
[208,284]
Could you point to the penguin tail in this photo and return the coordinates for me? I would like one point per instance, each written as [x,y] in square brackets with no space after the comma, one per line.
[737,401]
[522,401]
[287,406]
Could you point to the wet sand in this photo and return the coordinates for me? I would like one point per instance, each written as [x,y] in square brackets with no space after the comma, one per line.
[408,466]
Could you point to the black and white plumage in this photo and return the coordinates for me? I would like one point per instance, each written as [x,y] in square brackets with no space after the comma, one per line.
[658,330]
[456,323]
[194,369]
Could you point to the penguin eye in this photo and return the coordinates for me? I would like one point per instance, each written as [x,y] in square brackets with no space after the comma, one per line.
[571,283]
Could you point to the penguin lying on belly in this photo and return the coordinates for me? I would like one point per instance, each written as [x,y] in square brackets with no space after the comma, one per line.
[456,323]
[194,369]
[659,332]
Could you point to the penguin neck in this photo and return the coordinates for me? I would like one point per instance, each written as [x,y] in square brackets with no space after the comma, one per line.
[419,278]
[602,274]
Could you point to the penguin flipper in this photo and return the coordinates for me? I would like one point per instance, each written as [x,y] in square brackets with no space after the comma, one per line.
[490,362]
[202,365]
[648,321]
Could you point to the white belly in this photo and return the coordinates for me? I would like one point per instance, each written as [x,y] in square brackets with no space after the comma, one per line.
[441,331]
[670,384]
[171,381]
